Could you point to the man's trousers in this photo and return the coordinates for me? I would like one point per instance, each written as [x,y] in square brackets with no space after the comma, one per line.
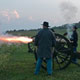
[39,63]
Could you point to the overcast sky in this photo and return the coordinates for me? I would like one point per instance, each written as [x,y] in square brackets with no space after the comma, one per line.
[29,14]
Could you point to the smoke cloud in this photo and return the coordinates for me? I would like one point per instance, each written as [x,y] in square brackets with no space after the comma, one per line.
[9,14]
[69,31]
[16,14]
[69,11]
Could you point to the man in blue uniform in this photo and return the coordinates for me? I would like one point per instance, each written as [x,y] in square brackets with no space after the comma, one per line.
[74,40]
[45,41]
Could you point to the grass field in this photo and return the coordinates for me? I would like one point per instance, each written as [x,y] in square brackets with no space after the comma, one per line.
[17,64]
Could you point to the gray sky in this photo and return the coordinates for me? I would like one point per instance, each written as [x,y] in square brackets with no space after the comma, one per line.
[29,14]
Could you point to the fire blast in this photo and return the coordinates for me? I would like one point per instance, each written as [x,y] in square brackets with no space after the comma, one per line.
[16,39]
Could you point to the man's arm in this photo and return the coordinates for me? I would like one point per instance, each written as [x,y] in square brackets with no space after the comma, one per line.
[74,37]
[36,40]
[53,40]
[37,37]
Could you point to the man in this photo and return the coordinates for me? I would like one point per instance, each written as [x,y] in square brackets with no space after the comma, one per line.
[45,41]
[74,41]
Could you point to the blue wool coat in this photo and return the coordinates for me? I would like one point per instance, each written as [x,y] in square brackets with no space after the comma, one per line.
[45,40]
[74,38]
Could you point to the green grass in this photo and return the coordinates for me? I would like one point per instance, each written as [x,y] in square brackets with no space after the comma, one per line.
[17,64]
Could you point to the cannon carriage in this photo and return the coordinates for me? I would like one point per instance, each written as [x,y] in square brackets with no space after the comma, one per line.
[62,53]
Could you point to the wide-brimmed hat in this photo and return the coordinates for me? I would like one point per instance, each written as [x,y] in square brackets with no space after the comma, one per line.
[45,24]
[75,27]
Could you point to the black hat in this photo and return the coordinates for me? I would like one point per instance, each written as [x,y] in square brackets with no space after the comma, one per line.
[75,27]
[45,24]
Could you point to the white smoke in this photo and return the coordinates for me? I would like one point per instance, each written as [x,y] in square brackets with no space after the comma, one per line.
[16,14]
[69,11]
[69,31]
[9,14]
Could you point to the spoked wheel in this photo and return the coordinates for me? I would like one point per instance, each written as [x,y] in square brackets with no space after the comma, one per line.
[62,53]
[65,47]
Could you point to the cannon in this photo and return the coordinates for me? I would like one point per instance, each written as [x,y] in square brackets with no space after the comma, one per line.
[62,53]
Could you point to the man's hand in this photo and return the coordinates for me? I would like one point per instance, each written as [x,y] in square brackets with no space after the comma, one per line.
[71,41]
[33,39]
